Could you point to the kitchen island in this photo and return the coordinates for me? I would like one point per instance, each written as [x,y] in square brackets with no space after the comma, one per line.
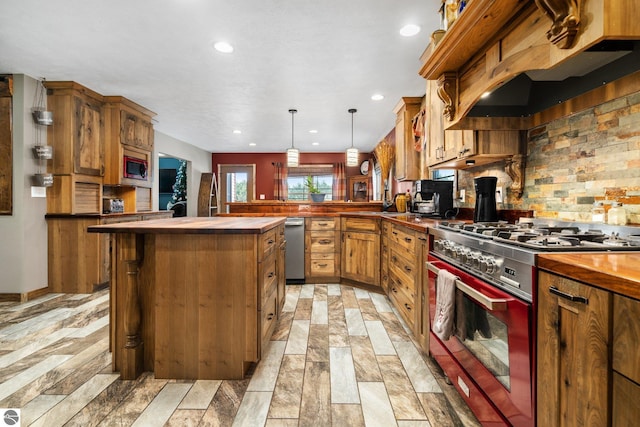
[194,298]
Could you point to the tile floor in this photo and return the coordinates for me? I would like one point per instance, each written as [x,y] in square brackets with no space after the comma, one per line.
[339,356]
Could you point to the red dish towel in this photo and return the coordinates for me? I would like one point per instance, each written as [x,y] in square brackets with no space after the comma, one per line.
[445,304]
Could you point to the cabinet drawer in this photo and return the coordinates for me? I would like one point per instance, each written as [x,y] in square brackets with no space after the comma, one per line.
[321,224]
[361,224]
[625,401]
[268,242]
[626,337]
[268,275]
[404,304]
[404,238]
[404,268]
[321,241]
[323,267]
[268,318]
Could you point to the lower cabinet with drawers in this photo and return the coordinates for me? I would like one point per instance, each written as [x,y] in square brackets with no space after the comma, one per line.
[322,249]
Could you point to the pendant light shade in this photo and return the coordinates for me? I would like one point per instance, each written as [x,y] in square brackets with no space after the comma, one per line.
[352,153]
[293,154]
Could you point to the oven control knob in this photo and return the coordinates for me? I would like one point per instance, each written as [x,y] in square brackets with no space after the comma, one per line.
[475,260]
[492,266]
[437,245]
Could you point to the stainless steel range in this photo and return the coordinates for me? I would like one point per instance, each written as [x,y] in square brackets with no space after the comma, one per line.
[490,358]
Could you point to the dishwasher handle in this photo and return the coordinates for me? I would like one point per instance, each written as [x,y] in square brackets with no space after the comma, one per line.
[294,222]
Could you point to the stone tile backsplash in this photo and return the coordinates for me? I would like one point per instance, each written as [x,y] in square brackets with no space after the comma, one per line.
[593,155]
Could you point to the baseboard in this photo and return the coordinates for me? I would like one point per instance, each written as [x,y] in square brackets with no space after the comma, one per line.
[28,296]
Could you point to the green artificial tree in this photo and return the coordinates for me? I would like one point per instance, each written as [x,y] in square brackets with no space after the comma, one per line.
[180,190]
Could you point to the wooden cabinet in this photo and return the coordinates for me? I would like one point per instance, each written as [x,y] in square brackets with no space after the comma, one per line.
[359,188]
[407,158]
[421,330]
[280,260]
[626,369]
[268,285]
[129,132]
[384,256]
[361,250]
[441,145]
[322,249]
[573,365]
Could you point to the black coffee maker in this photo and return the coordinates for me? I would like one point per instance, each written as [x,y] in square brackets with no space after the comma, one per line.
[439,193]
[485,211]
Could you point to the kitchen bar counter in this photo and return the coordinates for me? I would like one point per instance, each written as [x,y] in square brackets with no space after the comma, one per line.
[617,272]
[194,298]
[124,215]
[302,208]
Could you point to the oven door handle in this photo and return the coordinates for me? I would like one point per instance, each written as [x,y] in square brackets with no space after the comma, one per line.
[493,304]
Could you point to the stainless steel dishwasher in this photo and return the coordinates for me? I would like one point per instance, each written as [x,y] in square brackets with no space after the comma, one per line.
[294,255]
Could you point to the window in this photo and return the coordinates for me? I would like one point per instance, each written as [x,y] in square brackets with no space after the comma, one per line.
[322,176]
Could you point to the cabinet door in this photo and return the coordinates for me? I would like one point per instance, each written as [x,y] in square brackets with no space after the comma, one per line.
[361,257]
[442,145]
[88,140]
[407,158]
[422,294]
[573,353]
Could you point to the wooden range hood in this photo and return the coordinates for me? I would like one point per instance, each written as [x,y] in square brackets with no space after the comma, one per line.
[492,42]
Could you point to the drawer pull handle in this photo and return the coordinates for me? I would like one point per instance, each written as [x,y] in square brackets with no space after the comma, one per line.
[574,298]
[270,316]
[407,268]
[424,239]
[407,306]
[408,239]
[322,224]
[271,274]
[393,289]
[324,241]
[394,258]
[394,232]
[322,265]
[270,241]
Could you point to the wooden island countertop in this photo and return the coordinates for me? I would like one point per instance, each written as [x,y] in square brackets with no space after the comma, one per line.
[194,225]
[618,272]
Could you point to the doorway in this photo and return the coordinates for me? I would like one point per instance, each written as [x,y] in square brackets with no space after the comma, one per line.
[172,184]
[237,184]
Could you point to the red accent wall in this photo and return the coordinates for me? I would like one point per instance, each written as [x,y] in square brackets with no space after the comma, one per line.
[264,166]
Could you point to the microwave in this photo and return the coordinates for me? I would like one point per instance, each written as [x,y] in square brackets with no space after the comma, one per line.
[135,168]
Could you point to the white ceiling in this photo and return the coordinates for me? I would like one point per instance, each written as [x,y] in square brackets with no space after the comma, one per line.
[320,57]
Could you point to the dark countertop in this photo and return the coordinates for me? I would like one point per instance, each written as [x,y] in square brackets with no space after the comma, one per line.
[617,272]
[193,225]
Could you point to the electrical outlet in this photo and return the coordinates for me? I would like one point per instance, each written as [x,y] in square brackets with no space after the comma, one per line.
[462,194]
[499,195]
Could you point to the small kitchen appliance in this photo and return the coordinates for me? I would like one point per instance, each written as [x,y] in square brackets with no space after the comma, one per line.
[485,210]
[112,205]
[135,168]
[433,198]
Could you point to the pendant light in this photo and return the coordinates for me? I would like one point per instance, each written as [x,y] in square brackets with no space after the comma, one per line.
[352,153]
[293,154]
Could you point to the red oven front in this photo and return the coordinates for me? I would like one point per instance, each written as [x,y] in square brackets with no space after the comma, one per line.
[488,357]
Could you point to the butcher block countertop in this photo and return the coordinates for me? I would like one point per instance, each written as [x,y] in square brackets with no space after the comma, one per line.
[617,272]
[194,225]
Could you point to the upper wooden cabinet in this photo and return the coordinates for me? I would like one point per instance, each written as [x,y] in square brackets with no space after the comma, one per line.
[493,41]
[77,134]
[129,132]
[407,158]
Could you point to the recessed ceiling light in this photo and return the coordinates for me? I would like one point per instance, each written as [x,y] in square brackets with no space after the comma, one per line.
[315,143]
[313,131]
[237,131]
[252,144]
[409,30]
[485,95]
[223,47]
[377,97]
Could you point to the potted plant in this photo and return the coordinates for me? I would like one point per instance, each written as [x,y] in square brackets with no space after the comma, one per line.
[316,195]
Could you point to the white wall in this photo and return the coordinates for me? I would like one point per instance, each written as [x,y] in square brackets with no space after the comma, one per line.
[23,235]
[199,161]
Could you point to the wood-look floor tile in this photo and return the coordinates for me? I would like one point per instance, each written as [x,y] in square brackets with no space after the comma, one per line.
[349,298]
[307,291]
[303,309]
[285,402]
[361,293]
[200,394]
[33,347]
[338,332]
[376,407]
[318,344]
[8,387]
[291,298]
[333,290]
[81,374]
[404,400]
[298,337]
[162,406]
[381,302]
[344,387]
[320,292]
[316,395]
[347,415]
[355,323]
[145,390]
[280,422]
[364,359]
[92,327]
[266,373]
[380,341]
[225,404]
[37,407]
[74,402]
[394,328]
[319,312]
[185,418]
[253,409]
[283,325]
[368,310]
[421,377]
[436,408]
[413,423]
